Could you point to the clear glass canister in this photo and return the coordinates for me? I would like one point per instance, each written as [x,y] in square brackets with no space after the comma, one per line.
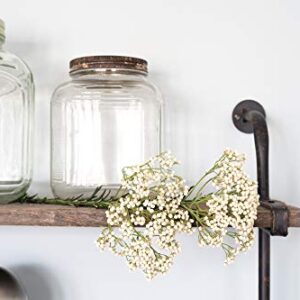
[106,117]
[16,121]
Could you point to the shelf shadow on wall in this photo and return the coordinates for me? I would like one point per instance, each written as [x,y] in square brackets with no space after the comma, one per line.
[38,282]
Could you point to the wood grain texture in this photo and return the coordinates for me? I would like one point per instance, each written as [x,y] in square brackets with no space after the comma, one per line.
[51,215]
[56,215]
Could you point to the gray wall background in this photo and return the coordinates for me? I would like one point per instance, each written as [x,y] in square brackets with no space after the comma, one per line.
[205,56]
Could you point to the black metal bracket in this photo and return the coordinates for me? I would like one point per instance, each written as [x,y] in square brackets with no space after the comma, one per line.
[280,217]
[249,117]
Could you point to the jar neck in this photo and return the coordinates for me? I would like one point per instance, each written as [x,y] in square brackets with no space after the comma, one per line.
[104,73]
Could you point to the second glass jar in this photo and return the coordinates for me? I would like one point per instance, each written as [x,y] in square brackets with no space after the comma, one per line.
[107,117]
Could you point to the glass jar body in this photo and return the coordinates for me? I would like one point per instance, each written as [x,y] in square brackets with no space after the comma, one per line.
[16,123]
[101,123]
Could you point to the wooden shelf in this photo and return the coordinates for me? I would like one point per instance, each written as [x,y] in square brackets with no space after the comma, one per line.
[57,215]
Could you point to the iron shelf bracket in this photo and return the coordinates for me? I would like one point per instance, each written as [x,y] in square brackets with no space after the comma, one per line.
[280,217]
[249,117]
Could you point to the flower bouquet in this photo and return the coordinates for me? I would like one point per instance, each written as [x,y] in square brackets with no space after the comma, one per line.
[154,204]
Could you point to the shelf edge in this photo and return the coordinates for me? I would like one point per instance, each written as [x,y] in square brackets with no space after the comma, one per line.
[57,215]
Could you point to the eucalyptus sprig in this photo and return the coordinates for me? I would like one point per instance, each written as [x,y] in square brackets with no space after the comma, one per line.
[100,198]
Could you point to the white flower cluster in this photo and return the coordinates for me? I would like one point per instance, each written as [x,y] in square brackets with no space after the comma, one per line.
[153,198]
[232,209]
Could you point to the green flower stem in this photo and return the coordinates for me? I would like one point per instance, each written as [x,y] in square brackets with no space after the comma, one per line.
[198,194]
[210,171]
[194,215]
[197,184]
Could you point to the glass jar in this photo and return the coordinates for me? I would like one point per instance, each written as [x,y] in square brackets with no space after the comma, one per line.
[16,121]
[106,117]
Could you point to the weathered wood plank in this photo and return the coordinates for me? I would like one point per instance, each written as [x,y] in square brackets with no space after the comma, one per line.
[56,215]
[51,215]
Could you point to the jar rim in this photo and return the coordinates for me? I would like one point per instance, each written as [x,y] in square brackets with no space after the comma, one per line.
[109,63]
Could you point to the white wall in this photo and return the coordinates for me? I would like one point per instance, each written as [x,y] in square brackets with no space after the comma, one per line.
[205,56]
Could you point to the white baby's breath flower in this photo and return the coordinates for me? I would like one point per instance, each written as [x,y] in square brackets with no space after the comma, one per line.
[153,198]
[233,205]
[158,199]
